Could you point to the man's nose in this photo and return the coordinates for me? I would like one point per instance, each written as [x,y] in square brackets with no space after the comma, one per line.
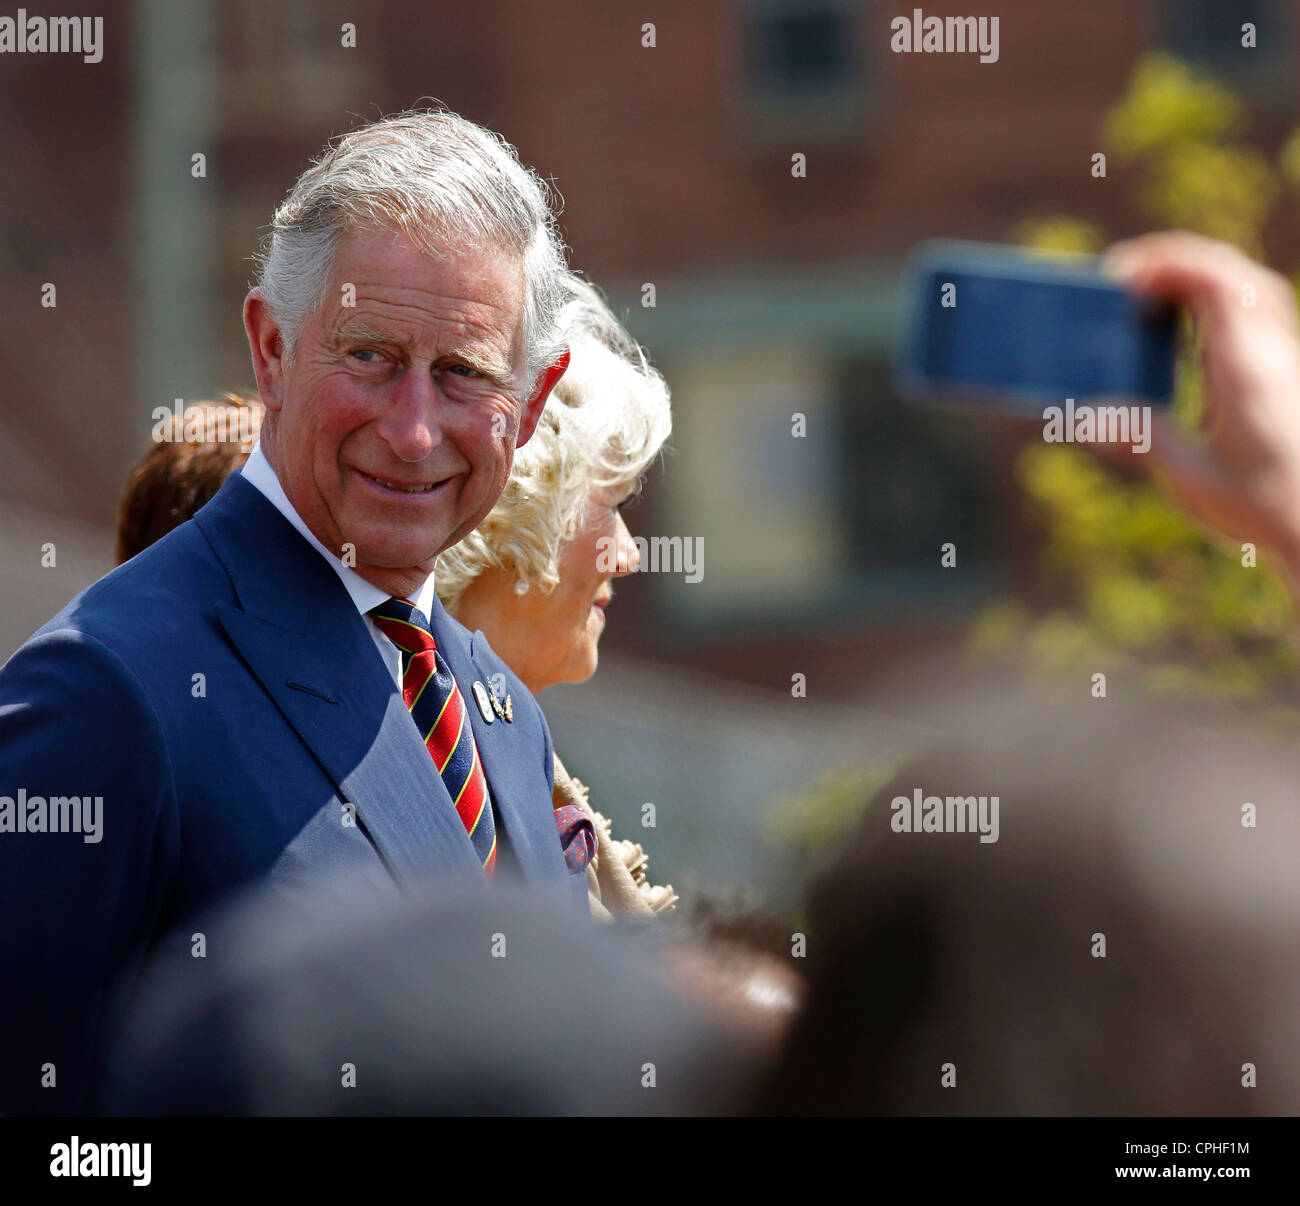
[411,423]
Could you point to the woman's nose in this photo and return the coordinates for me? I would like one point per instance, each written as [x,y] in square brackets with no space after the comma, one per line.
[629,556]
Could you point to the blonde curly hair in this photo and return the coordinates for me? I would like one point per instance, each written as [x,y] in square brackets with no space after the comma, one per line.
[604,423]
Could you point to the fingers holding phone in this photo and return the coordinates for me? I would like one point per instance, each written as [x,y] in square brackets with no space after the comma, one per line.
[1243,476]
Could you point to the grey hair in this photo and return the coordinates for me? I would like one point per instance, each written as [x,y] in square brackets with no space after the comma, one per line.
[426,174]
[604,423]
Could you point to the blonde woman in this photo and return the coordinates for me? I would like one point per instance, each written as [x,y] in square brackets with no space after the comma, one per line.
[536,576]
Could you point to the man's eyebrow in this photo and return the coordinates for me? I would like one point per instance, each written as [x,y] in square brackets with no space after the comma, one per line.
[359,330]
[493,368]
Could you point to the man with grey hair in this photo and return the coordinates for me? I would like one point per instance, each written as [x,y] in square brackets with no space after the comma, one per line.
[273,690]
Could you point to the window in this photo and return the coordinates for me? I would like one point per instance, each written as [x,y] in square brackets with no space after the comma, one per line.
[1209,32]
[802,64]
[911,478]
[798,50]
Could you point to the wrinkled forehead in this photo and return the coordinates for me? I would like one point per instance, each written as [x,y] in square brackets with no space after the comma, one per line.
[455,287]
[447,264]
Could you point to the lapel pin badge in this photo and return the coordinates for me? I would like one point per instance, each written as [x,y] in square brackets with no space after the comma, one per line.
[509,710]
[485,708]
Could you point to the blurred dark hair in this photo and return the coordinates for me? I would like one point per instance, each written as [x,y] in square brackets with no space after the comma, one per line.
[178,476]
[413,991]
[929,949]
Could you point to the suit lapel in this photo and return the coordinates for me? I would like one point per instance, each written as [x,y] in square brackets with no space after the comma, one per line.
[300,634]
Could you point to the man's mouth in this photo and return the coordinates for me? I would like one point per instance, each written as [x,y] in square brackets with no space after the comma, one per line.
[402,487]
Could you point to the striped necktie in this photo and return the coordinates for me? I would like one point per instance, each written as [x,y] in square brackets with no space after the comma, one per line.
[438,709]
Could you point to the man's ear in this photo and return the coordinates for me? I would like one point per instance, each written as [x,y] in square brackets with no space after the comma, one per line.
[546,381]
[267,348]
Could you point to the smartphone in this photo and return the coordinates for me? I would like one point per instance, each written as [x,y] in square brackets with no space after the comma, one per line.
[1020,330]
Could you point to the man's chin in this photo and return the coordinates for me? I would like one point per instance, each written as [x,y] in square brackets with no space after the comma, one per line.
[391,558]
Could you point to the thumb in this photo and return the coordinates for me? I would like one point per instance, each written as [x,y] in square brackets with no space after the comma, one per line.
[1162,452]
[1134,440]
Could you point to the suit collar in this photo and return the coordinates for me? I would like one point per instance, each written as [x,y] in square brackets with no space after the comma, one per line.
[299,632]
[365,596]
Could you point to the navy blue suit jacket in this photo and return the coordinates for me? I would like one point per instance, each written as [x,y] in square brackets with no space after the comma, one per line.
[224,697]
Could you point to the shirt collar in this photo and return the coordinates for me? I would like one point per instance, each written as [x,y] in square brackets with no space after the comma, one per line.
[365,595]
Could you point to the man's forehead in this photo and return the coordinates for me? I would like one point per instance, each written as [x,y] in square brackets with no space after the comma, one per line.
[388,260]
[384,287]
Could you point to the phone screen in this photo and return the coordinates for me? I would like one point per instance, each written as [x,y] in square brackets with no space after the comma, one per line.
[1005,326]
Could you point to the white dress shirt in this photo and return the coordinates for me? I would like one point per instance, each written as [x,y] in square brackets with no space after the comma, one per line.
[364,595]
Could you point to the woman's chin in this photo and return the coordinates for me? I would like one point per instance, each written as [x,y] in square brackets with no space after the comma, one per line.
[577,670]
[584,665]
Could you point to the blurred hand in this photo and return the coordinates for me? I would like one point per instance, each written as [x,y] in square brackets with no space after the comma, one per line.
[1243,476]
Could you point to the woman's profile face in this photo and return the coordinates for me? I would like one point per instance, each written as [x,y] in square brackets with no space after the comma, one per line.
[549,638]
[573,614]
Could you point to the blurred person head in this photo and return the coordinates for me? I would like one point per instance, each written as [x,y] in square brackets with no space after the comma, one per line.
[191,455]
[405,336]
[1125,946]
[536,575]
[354,998]
[735,957]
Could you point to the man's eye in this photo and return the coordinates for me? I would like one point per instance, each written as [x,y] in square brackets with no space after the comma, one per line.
[366,355]
[463,370]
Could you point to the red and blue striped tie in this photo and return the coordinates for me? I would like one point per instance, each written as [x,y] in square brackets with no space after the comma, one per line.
[438,709]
